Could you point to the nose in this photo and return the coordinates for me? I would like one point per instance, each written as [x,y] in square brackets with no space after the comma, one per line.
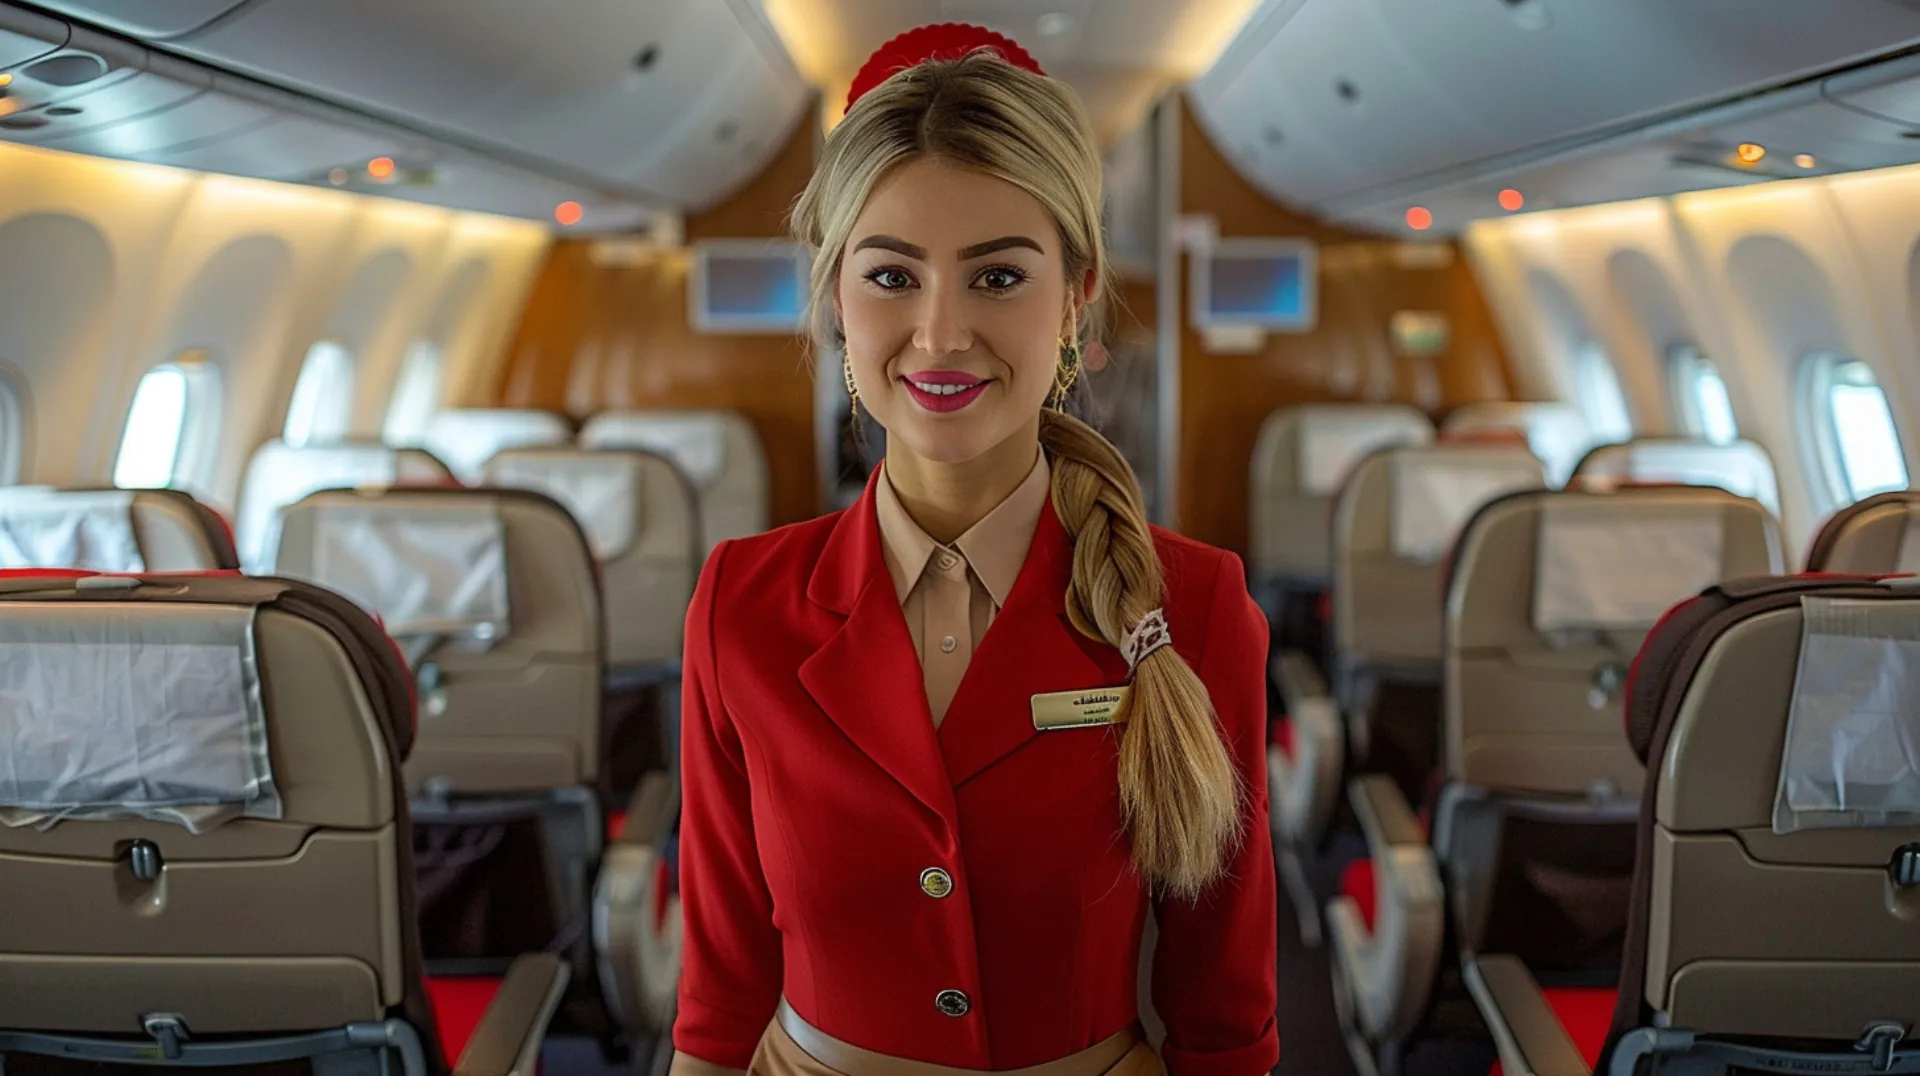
[943,325]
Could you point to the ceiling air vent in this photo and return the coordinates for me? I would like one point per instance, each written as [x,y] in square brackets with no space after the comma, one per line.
[1529,14]
[71,69]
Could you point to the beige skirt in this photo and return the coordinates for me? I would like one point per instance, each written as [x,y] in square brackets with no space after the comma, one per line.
[792,1047]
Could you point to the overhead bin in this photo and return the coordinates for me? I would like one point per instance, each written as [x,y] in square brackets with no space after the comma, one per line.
[25,36]
[145,18]
[1438,95]
[622,91]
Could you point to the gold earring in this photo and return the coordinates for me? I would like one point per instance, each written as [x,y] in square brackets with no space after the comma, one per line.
[1066,375]
[853,391]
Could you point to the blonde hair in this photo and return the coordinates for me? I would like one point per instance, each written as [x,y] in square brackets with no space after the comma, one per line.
[1180,793]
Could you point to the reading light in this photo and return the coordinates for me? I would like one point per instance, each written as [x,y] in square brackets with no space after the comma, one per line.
[337,177]
[568,213]
[380,168]
[1805,160]
[1419,218]
[5,81]
[1750,152]
[1511,200]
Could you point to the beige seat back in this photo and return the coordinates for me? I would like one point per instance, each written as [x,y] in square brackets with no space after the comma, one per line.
[1551,595]
[466,438]
[1300,460]
[1779,885]
[280,474]
[1393,525]
[1557,432]
[492,594]
[641,521]
[1740,467]
[1870,537]
[111,530]
[280,902]
[719,452]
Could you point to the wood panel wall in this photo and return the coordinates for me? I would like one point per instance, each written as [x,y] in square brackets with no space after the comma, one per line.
[1348,356]
[604,336]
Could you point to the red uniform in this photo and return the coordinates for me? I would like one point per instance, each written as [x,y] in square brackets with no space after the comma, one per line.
[819,796]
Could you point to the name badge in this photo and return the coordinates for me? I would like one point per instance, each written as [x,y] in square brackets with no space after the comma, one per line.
[1079,709]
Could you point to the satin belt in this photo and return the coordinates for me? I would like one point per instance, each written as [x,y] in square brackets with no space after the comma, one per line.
[1126,1053]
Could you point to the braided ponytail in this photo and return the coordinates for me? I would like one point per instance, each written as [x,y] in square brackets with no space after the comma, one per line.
[1179,791]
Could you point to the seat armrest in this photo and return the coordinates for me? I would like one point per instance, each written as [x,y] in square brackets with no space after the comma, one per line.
[1386,818]
[508,1039]
[650,813]
[1531,1039]
[1385,974]
[1293,673]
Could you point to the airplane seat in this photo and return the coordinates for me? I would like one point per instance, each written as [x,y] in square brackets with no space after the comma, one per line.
[1302,456]
[1870,535]
[112,530]
[1774,902]
[1550,596]
[1394,525]
[1393,522]
[492,595]
[640,520]
[467,437]
[279,474]
[719,452]
[1740,467]
[233,886]
[1557,431]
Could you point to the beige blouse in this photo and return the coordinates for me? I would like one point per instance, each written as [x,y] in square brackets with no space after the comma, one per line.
[950,594]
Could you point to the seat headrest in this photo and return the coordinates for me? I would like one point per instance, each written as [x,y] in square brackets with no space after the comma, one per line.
[427,565]
[466,438]
[696,442]
[1437,489]
[1852,754]
[280,474]
[1557,432]
[600,489]
[93,530]
[124,710]
[141,697]
[1618,563]
[1333,438]
[1740,467]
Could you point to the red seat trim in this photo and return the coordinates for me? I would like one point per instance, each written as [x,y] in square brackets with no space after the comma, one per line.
[1280,732]
[1586,1012]
[458,1004]
[1356,882]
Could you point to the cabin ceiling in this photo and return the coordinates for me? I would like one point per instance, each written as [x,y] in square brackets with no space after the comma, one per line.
[1119,55]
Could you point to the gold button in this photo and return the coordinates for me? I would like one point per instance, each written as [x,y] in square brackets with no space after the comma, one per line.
[935,882]
[947,644]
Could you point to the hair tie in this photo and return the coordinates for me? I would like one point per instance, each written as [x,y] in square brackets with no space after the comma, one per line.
[939,41]
[1144,638]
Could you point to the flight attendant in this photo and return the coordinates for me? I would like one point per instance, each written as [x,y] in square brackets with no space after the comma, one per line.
[945,751]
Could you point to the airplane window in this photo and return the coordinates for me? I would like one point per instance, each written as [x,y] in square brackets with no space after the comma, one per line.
[1597,391]
[1857,440]
[322,403]
[416,396]
[1700,395]
[150,447]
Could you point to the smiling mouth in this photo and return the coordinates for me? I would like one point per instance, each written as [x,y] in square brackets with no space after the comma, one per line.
[944,395]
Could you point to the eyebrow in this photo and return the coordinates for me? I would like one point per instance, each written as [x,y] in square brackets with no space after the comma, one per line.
[978,250]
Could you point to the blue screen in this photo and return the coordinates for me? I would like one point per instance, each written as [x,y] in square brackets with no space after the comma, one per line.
[756,287]
[1263,288]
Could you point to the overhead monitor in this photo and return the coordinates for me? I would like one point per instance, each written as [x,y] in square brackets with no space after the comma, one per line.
[748,286]
[1256,283]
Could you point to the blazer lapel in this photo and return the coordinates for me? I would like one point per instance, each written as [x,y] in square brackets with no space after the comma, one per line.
[1031,649]
[866,677]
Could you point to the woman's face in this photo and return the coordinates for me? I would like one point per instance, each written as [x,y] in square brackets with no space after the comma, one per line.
[953,295]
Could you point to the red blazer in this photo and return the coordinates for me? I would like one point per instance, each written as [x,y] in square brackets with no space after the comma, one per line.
[817,791]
